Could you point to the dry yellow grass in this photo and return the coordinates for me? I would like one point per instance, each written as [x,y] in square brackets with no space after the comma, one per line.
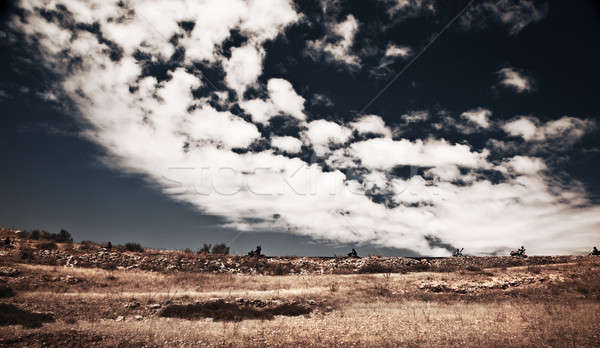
[562,310]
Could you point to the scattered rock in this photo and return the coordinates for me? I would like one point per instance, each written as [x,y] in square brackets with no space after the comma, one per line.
[165,261]
[120,318]
[9,272]
[132,305]
[138,317]
[71,280]
[154,306]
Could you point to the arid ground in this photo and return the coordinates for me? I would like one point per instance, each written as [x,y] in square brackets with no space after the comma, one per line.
[49,301]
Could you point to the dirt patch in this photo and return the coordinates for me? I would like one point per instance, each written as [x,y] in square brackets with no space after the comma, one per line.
[12,315]
[67,338]
[6,291]
[226,311]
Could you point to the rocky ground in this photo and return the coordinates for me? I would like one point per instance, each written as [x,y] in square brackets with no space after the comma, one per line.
[85,295]
[177,261]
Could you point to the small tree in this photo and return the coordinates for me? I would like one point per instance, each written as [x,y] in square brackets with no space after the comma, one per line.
[35,235]
[134,247]
[63,237]
[221,249]
[46,235]
[205,249]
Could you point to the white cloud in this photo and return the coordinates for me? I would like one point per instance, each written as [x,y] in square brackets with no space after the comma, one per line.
[526,165]
[282,99]
[207,124]
[371,124]
[447,172]
[287,144]
[398,51]
[523,127]
[415,116]
[409,7]
[391,53]
[243,68]
[385,153]
[515,14]
[510,77]
[568,129]
[260,110]
[285,98]
[321,133]
[337,45]
[478,116]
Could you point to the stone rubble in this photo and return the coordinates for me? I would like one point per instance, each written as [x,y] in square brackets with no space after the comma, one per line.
[501,282]
[175,261]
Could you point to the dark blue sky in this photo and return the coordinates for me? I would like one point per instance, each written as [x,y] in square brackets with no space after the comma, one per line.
[52,177]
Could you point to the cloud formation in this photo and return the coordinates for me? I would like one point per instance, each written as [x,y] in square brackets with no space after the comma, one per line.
[336,46]
[514,14]
[510,77]
[264,162]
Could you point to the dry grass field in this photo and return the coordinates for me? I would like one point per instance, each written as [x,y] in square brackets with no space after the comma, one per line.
[554,305]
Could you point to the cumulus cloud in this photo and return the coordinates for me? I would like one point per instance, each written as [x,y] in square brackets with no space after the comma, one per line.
[283,99]
[321,133]
[243,68]
[371,124]
[248,172]
[526,165]
[336,46]
[568,129]
[515,14]
[479,116]
[509,77]
[287,144]
[385,153]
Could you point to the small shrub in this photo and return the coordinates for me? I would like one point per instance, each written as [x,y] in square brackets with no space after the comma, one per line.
[473,268]
[46,235]
[87,245]
[135,247]
[35,235]
[534,269]
[205,249]
[220,249]
[282,269]
[47,246]
[375,267]
[63,237]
